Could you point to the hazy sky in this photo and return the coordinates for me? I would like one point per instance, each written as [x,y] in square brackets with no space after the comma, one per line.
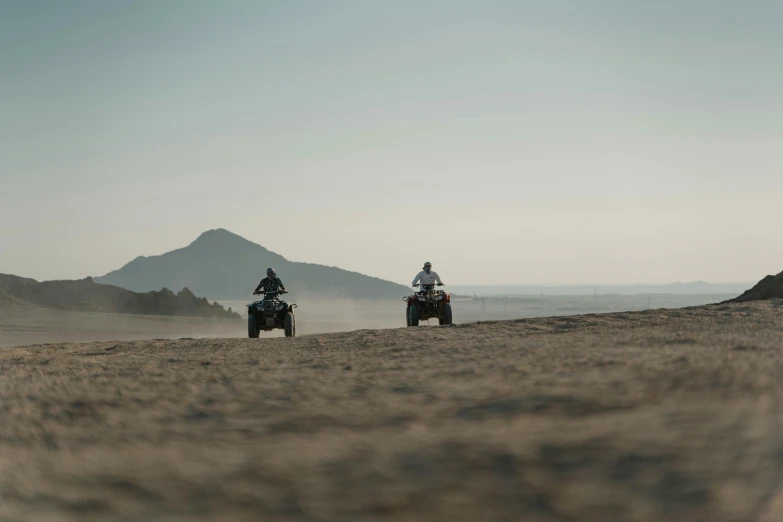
[505,141]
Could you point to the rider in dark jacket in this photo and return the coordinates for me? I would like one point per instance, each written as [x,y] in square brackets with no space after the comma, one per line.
[271,283]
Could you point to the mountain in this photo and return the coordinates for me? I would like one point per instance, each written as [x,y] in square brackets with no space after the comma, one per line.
[86,295]
[771,287]
[223,265]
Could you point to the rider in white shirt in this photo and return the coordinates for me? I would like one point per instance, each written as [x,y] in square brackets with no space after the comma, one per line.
[427,277]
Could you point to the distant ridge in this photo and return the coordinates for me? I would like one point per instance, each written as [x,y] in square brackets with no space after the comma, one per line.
[86,295]
[223,265]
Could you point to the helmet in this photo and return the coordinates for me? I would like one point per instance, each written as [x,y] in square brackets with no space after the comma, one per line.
[427,266]
[270,272]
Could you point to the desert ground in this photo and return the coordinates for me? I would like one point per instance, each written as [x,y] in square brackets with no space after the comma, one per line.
[634,416]
[20,326]
[27,325]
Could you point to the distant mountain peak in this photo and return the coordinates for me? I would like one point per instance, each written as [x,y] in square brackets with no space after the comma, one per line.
[220,263]
[222,240]
[218,235]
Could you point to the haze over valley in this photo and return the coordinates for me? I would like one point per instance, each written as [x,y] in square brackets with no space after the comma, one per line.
[222,268]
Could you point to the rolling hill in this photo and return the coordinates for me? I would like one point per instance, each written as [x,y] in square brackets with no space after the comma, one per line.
[88,296]
[771,287]
[221,264]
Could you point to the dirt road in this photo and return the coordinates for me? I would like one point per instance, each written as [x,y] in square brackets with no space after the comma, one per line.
[657,415]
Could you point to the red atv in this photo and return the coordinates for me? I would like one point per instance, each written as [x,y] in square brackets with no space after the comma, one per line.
[428,304]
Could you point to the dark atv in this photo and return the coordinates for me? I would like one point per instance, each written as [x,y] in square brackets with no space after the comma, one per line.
[428,304]
[269,314]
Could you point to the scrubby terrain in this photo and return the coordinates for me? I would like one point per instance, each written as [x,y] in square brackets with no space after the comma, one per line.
[87,295]
[655,415]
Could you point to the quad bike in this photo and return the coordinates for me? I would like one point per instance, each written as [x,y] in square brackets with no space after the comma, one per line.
[428,304]
[269,314]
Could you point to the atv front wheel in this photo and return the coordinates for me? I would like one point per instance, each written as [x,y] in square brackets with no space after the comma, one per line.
[413,315]
[252,329]
[290,325]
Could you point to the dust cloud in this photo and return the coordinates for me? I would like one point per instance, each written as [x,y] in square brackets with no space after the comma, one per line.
[339,314]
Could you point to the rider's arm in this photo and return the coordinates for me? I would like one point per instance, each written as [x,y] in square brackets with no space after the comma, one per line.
[416,279]
[280,282]
[437,278]
[260,284]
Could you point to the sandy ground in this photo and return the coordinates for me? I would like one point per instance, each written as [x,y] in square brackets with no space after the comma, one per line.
[644,416]
[30,325]
[21,326]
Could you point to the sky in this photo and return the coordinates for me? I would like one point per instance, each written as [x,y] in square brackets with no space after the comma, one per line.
[505,141]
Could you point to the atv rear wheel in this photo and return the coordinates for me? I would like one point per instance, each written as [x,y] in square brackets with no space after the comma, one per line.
[413,315]
[290,325]
[252,328]
[445,314]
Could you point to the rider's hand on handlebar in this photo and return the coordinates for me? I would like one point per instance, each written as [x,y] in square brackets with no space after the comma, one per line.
[441,284]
